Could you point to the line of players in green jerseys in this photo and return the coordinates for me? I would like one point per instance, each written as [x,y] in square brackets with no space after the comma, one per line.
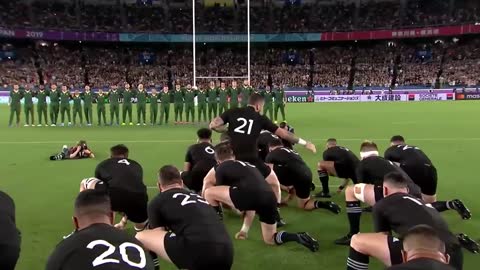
[212,101]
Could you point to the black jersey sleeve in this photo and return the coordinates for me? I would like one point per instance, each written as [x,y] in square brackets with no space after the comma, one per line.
[271,158]
[380,222]
[55,260]
[155,215]
[327,156]
[267,124]
[189,156]
[100,172]
[361,173]
[390,154]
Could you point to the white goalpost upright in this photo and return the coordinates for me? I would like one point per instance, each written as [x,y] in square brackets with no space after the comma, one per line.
[194,41]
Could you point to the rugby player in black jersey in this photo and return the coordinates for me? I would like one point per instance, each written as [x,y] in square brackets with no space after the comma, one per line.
[398,212]
[243,126]
[184,229]
[9,234]
[123,179]
[264,140]
[240,185]
[337,161]
[200,158]
[96,244]
[294,173]
[423,249]
[422,171]
[370,173]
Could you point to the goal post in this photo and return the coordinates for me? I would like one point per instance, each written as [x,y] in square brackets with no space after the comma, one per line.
[194,49]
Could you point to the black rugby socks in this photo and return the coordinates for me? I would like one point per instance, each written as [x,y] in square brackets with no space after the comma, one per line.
[357,260]
[284,237]
[354,212]
[323,175]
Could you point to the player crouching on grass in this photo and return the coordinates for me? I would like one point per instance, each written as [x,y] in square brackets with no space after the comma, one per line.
[240,185]
[78,151]
[294,173]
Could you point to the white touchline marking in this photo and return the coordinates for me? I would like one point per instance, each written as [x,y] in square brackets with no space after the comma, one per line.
[193,140]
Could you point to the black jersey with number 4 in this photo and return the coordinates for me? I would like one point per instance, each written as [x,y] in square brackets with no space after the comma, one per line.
[421,264]
[401,212]
[121,173]
[340,154]
[9,234]
[99,247]
[407,154]
[187,214]
[200,153]
[241,174]
[244,127]
[288,159]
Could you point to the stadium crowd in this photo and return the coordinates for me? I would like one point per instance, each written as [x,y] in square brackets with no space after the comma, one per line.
[307,17]
[382,64]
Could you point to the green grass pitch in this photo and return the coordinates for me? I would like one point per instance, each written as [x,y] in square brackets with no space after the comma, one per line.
[44,190]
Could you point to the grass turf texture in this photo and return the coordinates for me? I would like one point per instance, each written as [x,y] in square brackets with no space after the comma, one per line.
[44,190]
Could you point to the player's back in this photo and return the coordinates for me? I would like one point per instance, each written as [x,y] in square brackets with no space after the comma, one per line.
[9,234]
[371,170]
[201,153]
[99,247]
[187,214]
[422,264]
[286,157]
[407,154]
[244,127]
[240,174]
[340,154]
[121,173]
[404,211]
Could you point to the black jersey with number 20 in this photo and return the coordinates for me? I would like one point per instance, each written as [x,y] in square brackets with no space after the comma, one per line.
[244,127]
[99,247]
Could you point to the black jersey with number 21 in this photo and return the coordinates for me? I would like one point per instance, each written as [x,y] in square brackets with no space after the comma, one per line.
[244,127]
[99,247]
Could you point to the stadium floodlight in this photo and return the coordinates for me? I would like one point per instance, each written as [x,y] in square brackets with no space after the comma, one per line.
[194,41]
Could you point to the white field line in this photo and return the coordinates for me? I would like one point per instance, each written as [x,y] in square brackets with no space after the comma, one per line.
[193,140]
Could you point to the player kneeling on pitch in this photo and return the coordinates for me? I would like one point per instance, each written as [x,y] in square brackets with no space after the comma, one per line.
[197,238]
[96,244]
[78,151]
[240,185]
[199,160]
[292,171]
[399,212]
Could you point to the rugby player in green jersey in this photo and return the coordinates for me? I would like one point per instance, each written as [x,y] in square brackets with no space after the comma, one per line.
[41,96]
[127,94]
[65,105]
[178,104]
[87,97]
[14,102]
[100,97]
[54,95]
[28,105]
[141,95]
[164,104]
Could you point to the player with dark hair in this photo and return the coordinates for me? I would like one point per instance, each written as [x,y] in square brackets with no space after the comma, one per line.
[423,249]
[123,178]
[127,95]
[293,171]
[78,151]
[370,174]
[290,129]
[264,140]
[337,161]
[96,244]
[240,185]
[9,234]
[196,238]
[422,171]
[399,212]
[244,127]
[200,158]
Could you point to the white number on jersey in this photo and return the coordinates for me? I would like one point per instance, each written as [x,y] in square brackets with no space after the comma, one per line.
[186,200]
[417,201]
[124,161]
[209,150]
[344,148]
[406,147]
[289,151]
[245,164]
[241,128]
[103,258]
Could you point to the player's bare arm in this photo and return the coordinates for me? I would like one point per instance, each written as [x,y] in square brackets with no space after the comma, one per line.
[74,154]
[218,125]
[208,181]
[187,166]
[286,135]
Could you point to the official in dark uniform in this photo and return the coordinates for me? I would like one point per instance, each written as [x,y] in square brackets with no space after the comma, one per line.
[200,158]
[397,213]
[196,237]
[96,244]
[337,161]
[422,171]
[123,178]
[9,234]
[293,172]
[370,174]
[423,249]
[240,185]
